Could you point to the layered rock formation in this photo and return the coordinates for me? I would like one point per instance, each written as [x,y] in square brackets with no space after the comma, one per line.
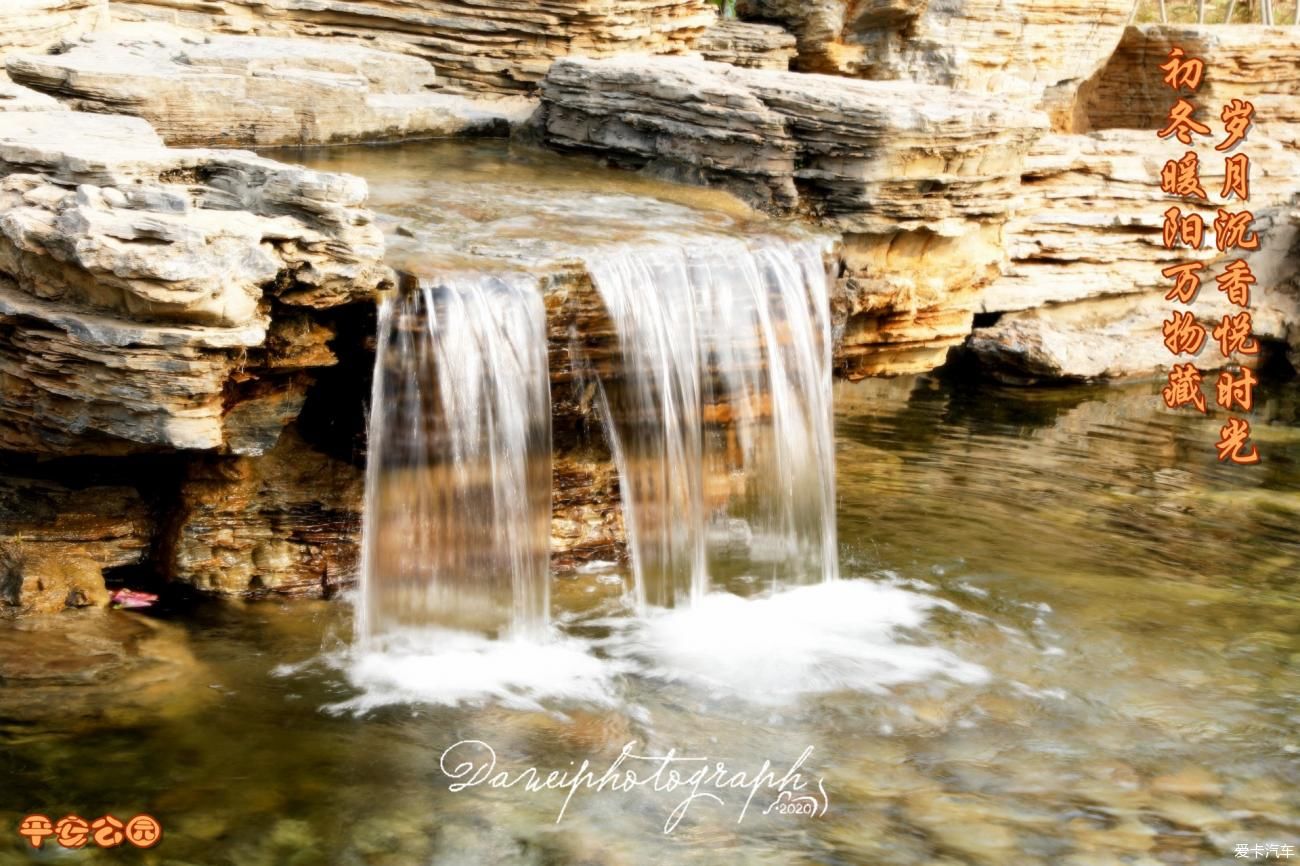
[156,298]
[502,46]
[1083,296]
[35,25]
[249,91]
[1248,62]
[741,43]
[1038,51]
[919,178]
[287,522]
[57,538]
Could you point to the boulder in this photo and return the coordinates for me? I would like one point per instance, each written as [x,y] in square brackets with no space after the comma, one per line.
[1034,51]
[919,178]
[479,46]
[198,89]
[157,299]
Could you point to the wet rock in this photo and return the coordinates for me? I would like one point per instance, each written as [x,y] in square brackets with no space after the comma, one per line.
[48,583]
[502,46]
[1037,51]
[919,179]
[240,91]
[46,517]
[287,522]
[139,283]
[741,43]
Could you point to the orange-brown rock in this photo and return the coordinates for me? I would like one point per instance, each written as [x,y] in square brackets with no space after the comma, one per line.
[287,522]
[1242,61]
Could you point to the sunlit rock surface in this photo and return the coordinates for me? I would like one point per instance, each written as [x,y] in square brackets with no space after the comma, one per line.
[217,90]
[1083,296]
[502,46]
[1038,51]
[742,43]
[1242,61]
[35,25]
[153,298]
[16,98]
[917,177]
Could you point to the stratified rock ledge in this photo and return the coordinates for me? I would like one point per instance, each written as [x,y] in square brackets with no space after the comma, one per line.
[154,298]
[213,90]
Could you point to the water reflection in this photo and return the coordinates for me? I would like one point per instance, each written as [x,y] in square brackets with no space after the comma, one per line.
[1133,604]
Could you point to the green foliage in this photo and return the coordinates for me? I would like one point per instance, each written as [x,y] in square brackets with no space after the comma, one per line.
[727,8]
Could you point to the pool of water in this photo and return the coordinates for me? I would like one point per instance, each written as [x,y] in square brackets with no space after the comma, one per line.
[1070,637]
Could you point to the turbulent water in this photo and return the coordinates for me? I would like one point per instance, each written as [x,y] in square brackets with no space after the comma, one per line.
[457,522]
[719,412]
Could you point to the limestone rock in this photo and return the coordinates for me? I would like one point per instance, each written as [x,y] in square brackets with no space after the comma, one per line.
[34,25]
[239,91]
[287,522]
[146,293]
[502,46]
[919,178]
[1091,215]
[1038,51]
[50,517]
[1248,62]
[1083,297]
[15,98]
[43,583]
[740,43]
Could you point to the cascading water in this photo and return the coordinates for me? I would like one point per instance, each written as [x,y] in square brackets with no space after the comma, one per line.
[719,412]
[458,497]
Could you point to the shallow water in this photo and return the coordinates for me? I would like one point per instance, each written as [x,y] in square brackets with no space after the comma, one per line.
[1072,638]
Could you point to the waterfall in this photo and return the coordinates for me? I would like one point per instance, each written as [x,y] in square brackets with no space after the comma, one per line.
[718,412]
[458,487]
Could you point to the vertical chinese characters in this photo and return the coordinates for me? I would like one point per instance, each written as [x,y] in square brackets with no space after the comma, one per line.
[1183,334]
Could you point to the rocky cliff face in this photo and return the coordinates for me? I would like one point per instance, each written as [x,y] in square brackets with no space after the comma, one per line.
[919,179]
[1083,297]
[503,46]
[1035,51]
[1248,62]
